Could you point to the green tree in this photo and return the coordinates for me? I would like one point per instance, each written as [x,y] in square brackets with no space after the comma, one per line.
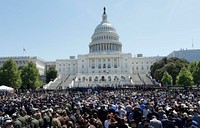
[192,66]
[158,74]
[156,66]
[30,76]
[171,65]
[184,78]
[51,74]
[167,79]
[196,73]
[10,75]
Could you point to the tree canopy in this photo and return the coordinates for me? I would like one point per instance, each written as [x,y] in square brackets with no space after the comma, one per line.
[171,65]
[195,70]
[167,79]
[30,76]
[51,74]
[184,78]
[10,75]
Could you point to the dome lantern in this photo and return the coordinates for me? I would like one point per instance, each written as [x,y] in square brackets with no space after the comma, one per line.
[105,37]
[104,16]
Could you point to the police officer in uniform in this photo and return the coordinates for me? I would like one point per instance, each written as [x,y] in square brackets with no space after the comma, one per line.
[34,123]
[16,122]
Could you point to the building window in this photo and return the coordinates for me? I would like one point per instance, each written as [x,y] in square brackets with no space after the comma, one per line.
[99,66]
[109,66]
[109,78]
[82,60]
[82,66]
[96,78]
[115,78]
[115,65]
[104,65]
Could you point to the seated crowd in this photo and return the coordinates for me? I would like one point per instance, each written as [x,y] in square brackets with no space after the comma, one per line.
[103,109]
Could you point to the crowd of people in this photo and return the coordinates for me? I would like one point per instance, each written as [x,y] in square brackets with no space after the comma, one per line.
[100,109]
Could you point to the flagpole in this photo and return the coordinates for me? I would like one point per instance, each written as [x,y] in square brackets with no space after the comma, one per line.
[192,43]
[24,50]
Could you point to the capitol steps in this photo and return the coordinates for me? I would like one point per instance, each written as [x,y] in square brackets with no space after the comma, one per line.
[67,83]
[146,79]
[52,85]
[136,79]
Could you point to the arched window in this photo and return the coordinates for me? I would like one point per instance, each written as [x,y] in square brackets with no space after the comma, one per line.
[109,78]
[90,78]
[115,78]
[96,78]
[122,77]
[83,79]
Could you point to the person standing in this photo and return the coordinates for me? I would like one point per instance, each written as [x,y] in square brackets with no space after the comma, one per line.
[155,122]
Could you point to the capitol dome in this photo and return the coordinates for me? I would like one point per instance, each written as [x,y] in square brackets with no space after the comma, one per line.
[105,37]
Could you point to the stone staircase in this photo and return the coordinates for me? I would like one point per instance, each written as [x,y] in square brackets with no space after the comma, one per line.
[67,82]
[146,79]
[137,80]
[52,85]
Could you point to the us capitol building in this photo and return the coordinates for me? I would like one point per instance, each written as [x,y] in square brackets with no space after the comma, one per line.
[104,65]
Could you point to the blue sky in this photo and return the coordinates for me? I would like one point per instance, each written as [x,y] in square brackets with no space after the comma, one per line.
[57,29]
